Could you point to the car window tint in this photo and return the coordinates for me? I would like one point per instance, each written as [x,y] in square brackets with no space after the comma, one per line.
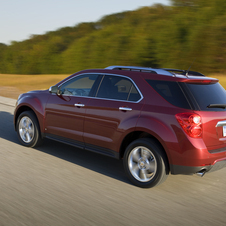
[207,94]
[116,87]
[171,92]
[134,94]
[79,86]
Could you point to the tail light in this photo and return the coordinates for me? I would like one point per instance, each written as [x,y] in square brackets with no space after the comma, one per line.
[191,123]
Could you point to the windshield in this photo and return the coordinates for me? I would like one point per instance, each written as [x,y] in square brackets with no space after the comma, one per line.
[207,95]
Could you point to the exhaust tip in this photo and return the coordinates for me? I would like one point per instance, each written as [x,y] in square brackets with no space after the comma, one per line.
[201,173]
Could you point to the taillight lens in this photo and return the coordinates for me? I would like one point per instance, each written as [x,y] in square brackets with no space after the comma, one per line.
[191,124]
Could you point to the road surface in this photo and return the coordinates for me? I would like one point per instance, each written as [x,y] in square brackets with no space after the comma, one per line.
[56,184]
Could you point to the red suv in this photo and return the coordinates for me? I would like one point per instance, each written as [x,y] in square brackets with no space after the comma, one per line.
[156,120]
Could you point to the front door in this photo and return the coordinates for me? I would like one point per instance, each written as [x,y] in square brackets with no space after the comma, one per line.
[65,116]
[65,112]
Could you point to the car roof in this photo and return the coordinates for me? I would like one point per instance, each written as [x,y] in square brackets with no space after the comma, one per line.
[166,74]
[152,73]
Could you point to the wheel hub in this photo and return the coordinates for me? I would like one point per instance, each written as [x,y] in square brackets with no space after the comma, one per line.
[26,129]
[142,163]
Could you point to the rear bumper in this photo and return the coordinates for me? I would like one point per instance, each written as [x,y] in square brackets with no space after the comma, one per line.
[189,170]
[219,164]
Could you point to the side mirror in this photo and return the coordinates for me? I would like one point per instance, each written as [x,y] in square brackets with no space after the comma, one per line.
[53,89]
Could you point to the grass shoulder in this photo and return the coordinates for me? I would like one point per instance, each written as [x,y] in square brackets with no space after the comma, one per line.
[12,85]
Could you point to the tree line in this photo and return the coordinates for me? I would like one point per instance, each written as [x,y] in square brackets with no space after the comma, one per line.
[188,32]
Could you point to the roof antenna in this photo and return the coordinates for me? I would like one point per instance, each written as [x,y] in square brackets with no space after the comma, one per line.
[186,74]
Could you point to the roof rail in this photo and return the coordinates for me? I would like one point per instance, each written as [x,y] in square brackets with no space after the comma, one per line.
[162,71]
[184,72]
[141,69]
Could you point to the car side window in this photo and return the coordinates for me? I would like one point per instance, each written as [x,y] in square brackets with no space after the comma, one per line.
[171,92]
[79,86]
[134,94]
[118,88]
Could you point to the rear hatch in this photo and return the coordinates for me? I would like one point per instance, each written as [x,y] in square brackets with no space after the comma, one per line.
[209,99]
[201,95]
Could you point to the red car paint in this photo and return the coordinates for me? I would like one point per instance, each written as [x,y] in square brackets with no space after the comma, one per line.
[108,125]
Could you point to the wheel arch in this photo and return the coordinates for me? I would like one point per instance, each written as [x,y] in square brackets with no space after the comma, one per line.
[129,138]
[21,110]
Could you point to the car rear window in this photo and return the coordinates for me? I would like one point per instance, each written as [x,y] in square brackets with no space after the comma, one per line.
[207,94]
[171,92]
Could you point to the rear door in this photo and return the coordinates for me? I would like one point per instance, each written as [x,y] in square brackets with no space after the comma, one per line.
[113,112]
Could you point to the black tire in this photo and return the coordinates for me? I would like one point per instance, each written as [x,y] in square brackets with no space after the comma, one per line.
[145,163]
[27,128]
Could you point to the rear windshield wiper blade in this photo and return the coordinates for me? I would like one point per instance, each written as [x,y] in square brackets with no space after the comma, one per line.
[217,106]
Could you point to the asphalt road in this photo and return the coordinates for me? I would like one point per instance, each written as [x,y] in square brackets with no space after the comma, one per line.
[57,184]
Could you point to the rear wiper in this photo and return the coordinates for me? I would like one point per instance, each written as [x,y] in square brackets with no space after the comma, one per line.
[217,106]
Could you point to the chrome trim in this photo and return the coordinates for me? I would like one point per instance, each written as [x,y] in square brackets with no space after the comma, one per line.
[201,173]
[125,109]
[158,71]
[79,105]
[142,97]
[221,123]
[127,101]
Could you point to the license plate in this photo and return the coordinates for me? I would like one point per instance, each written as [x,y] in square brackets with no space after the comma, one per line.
[224,131]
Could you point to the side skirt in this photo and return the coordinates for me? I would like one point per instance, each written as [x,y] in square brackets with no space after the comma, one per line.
[81,145]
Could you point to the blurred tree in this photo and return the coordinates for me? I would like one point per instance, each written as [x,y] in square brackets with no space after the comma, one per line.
[185,3]
[3,49]
[155,36]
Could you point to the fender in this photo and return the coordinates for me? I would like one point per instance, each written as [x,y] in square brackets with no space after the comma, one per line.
[126,127]
[165,134]
[34,102]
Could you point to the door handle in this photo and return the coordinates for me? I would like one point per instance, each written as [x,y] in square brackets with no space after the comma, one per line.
[125,109]
[79,105]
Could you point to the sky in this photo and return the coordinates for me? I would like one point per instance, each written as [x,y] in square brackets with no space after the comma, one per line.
[19,19]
